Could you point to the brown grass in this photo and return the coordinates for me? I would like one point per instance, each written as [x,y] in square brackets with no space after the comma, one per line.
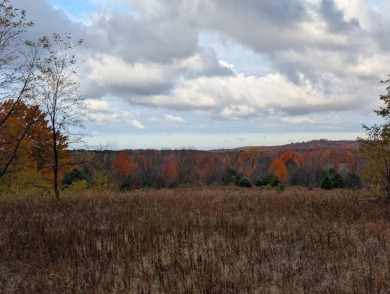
[209,240]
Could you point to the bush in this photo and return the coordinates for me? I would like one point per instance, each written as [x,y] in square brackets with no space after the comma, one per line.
[338,181]
[326,183]
[77,175]
[332,180]
[230,176]
[279,187]
[77,187]
[126,185]
[271,180]
[243,182]
[102,182]
[173,185]
[353,181]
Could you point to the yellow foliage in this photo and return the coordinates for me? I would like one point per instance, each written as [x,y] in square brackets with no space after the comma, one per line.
[102,182]
[77,187]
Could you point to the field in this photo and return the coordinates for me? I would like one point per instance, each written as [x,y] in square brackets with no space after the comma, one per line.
[196,240]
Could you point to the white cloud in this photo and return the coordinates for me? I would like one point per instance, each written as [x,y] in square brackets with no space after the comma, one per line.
[239,96]
[237,111]
[109,71]
[109,113]
[135,123]
[173,118]
[297,119]
[97,105]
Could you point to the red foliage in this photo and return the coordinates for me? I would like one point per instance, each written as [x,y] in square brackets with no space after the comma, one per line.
[123,164]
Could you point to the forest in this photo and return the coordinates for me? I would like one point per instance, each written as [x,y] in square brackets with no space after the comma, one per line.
[312,164]
[302,164]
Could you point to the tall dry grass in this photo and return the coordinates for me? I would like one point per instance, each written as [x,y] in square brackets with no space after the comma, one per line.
[211,240]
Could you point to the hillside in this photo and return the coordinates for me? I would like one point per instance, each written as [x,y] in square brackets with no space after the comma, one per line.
[309,146]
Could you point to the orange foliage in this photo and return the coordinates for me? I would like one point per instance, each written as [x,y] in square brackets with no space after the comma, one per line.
[123,164]
[290,155]
[278,168]
[206,167]
[24,136]
[249,172]
[170,170]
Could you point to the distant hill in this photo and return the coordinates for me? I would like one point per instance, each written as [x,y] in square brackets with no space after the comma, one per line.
[300,147]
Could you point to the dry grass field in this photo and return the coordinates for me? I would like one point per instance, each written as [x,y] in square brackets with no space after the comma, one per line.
[198,240]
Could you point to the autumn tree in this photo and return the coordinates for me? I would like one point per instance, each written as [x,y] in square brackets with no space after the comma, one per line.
[18,65]
[123,164]
[205,168]
[186,162]
[170,171]
[278,168]
[292,162]
[61,101]
[23,136]
[250,162]
[230,162]
[375,148]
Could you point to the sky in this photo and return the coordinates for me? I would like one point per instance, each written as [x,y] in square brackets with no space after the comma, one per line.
[208,74]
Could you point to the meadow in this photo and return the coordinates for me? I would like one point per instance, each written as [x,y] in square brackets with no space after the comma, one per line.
[195,240]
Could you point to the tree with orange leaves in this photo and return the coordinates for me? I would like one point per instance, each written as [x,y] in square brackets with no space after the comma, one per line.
[123,164]
[278,168]
[170,171]
[290,156]
[22,136]
[205,168]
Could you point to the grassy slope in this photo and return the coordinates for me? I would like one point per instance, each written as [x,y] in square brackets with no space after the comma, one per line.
[211,240]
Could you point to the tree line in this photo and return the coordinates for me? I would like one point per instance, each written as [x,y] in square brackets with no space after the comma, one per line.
[339,166]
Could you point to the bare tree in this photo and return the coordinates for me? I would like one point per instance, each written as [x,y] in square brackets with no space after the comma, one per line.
[62,102]
[149,168]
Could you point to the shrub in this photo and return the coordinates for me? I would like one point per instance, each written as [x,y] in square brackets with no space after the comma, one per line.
[338,181]
[230,176]
[126,185]
[279,187]
[77,187]
[271,180]
[173,185]
[332,180]
[353,181]
[102,182]
[242,181]
[326,183]
[77,175]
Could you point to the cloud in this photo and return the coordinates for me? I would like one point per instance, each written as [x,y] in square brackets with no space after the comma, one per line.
[297,119]
[112,75]
[316,58]
[135,123]
[105,113]
[48,20]
[141,39]
[176,119]
[240,96]
[335,19]
[117,77]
